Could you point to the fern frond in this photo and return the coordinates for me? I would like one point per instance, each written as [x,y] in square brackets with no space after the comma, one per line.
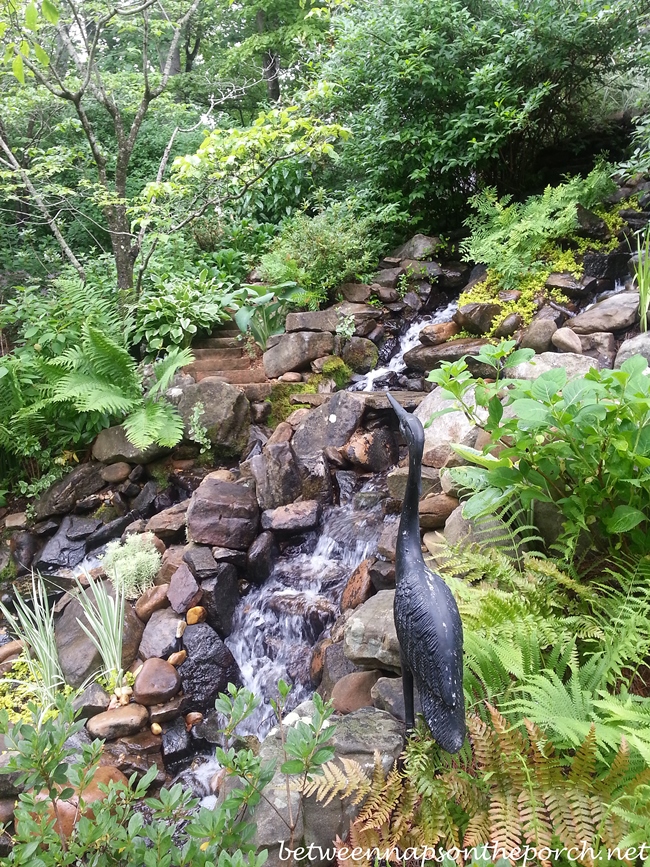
[165,369]
[154,422]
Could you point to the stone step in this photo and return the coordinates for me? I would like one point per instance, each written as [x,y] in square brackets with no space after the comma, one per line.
[209,363]
[372,399]
[218,355]
[221,333]
[217,343]
[234,377]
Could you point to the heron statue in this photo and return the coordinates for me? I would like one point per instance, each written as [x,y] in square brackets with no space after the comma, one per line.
[427,621]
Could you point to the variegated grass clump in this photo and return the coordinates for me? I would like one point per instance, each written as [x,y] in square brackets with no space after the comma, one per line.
[132,566]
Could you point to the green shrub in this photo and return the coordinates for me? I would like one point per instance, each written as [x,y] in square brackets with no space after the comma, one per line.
[132,566]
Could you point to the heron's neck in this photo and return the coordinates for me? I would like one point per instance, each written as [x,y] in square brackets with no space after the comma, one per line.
[408,548]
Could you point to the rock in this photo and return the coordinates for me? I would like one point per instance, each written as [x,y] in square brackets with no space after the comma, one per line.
[359,587]
[605,265]
[387,278]
[225,416]
[331,424]
[328,320]
[374,450]
[440,332]
[600,345]
[570,286]
[92,701]
[370,640]
[294,351]
[77,654]
[109,531]
[201,562]
[184,591]
[223,514]
[112,446]
[113,474]
[291,376]
[220,598]
[335,666]
[426,271]
[169,523]
[262,555]
[360,354]
[388,541]
[209,668]
[477,318]
[118,723]
[639,345]
[590,225]
[512,323]
[177,658]
[539,335]
[16,521]
[353,691]
[171,560]
[23,547]
[386,296]
[427,358]
[153,599]
[159,636]
[355,293]
[157,682]
[453,427]
[81,528]
[316,478]
[388,694]
[615,313]
[487,533]
[575,365]
[397,478]
[176,742]
[161,713]
[294,518]
[435,510]
[566,340]
[417,247]
[63,495]
[197,614]
[228,556]
[60,552]
[276,474]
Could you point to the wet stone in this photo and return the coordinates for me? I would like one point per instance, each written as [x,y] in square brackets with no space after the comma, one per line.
[153,599]
[176,742]
[261,557]
[159,637]
[220,598]
[117,723]
[200,561]
[209,668]
[116,473]
[184,591]
[157,682]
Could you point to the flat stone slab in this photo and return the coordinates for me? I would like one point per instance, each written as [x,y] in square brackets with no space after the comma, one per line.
[371,399]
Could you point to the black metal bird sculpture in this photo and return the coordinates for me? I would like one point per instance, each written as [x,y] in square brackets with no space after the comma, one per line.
[427,621]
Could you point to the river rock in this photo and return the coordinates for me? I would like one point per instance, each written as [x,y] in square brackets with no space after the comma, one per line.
[512,323]
[355,293]
[615,313]
[223,514]
[575,365]
[201,562]
[374,450]
[169,523]
[112,446]
[539,335]
[331,424]
[370,640]
[153,599]
[570,286]
[294,351]
[276,474]
[225,416]
[176,742]
[477,318]
[294,518]
[92,701]
[220,598]
[397,478]
[353,691]
[159,636]
[417,247]
[64,494]
[157,682]
[639,345]
[453,427]
[61,552]
[566,340]
[359,587]
[118,723]
[600,345]
[440,332]
[360,354]
[113,474]
[427,358]
[435,510]
[171,560]
[184,591]
[262,554]
[77,654]
[388,694]
[208,669]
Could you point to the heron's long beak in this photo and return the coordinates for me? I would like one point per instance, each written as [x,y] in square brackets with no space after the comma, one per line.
[402,414]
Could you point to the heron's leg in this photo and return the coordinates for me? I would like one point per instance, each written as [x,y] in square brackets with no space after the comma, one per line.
[407,687]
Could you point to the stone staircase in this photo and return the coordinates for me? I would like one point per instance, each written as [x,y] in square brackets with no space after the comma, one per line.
[223,356]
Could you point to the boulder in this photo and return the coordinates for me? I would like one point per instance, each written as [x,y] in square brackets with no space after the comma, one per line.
[262,555]
[331,424]
[118,723]
[440,332]
[575,365]
[600,345]
[375,450]
[208,669]
[113,474]
[510,324]
[91,701]
[397,478]
[276,474]
[566,340]
[388,541]
[353,691]
[360,354]
[477,318]
[387,278]
[225,416]
[455,275]
[370,640]
[153,599]
[63,495]
[639,345]
[61,552]
[435,510]
[570,286]
[615,313]
[355,293]
[294,351]
[112,446]
[159,636]
[176,742]
[78,656]
[359,587]
[417,247]
[539,335]
[223,514]
[454,427]
[293,518]
[335,666]
[201,562]
[427,358]
[184,591]
[171,560]
[388,694]
[169,523]
[157,682]
[329,319]
[220,598]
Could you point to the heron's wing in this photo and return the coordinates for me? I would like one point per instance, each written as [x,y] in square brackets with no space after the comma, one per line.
[431,635]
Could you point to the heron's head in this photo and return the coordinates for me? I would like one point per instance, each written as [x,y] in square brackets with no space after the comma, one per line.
[409,425]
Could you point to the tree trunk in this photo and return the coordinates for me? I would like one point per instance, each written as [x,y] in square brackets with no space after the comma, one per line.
[270,62]
[124,252]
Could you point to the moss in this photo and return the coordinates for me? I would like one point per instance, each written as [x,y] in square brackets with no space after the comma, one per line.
[17,690]
[9,573]
[280,399]
[335,368]
[106,513]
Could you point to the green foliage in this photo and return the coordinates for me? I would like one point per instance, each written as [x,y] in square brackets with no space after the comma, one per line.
[337,369]
[264,313]
[643,275]
[105,615]
[639,161]
[280,399]
[196,430]
[319,253]
[131,566]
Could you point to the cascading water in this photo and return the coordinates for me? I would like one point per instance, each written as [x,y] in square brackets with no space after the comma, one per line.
[275,626]
[407,341]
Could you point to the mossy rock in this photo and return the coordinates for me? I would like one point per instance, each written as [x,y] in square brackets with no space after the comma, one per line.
[360,354]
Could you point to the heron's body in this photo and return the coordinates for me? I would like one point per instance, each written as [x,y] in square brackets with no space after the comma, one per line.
[427,621]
